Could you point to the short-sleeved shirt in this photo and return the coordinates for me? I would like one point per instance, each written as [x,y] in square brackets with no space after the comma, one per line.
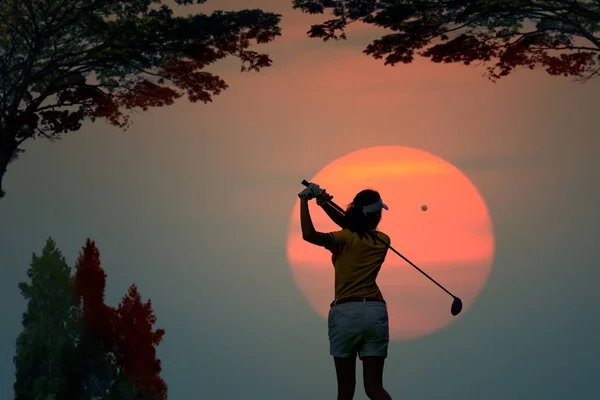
[357,261]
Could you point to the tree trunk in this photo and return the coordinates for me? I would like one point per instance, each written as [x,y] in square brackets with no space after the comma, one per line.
[8,146]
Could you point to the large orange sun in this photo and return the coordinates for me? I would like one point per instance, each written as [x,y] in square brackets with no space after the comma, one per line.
[452,240]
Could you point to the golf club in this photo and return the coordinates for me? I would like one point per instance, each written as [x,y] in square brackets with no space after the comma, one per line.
[457,305]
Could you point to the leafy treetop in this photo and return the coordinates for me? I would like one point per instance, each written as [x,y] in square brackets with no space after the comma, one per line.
[65,61]
[559,35]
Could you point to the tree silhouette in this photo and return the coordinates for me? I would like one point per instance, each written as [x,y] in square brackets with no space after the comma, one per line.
[65,61]
[559,35]
[48,340]
[135,347]
[95,362]
[74,346]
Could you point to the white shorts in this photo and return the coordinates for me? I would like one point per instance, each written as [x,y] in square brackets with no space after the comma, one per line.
[358,328]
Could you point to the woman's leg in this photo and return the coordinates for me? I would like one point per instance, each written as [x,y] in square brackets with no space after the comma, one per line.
[374,350]
[373,378]
[345,369]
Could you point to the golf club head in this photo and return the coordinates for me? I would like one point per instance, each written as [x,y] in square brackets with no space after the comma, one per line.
[456,306]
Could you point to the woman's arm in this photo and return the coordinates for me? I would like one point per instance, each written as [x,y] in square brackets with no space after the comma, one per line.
[333,213]
[308,229]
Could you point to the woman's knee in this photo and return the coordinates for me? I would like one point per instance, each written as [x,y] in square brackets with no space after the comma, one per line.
[373,377]
[346,377]
[346,391]
[347,386]
[373,390]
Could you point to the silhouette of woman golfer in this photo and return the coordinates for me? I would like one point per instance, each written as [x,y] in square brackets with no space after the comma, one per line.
[358,317]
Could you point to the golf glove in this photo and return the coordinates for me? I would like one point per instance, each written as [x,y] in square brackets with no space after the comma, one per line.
[324,198]
[312,190]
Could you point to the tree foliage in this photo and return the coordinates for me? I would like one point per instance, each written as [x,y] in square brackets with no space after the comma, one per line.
[74,346]
[559,35]
[65,61]
[47,343]
[96,336]
[135,347]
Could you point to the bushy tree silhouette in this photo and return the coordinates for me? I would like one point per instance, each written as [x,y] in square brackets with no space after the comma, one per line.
[96,336]
[73,345]
[65,61]
[46,346]
[135,347]
[558,35]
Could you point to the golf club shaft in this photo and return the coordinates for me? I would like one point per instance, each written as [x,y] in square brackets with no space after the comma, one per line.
[341,210]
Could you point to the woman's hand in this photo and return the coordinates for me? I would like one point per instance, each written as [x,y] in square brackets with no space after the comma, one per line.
[324,198]
[311,191]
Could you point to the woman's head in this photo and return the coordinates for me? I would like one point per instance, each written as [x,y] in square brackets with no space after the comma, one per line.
[364,214]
